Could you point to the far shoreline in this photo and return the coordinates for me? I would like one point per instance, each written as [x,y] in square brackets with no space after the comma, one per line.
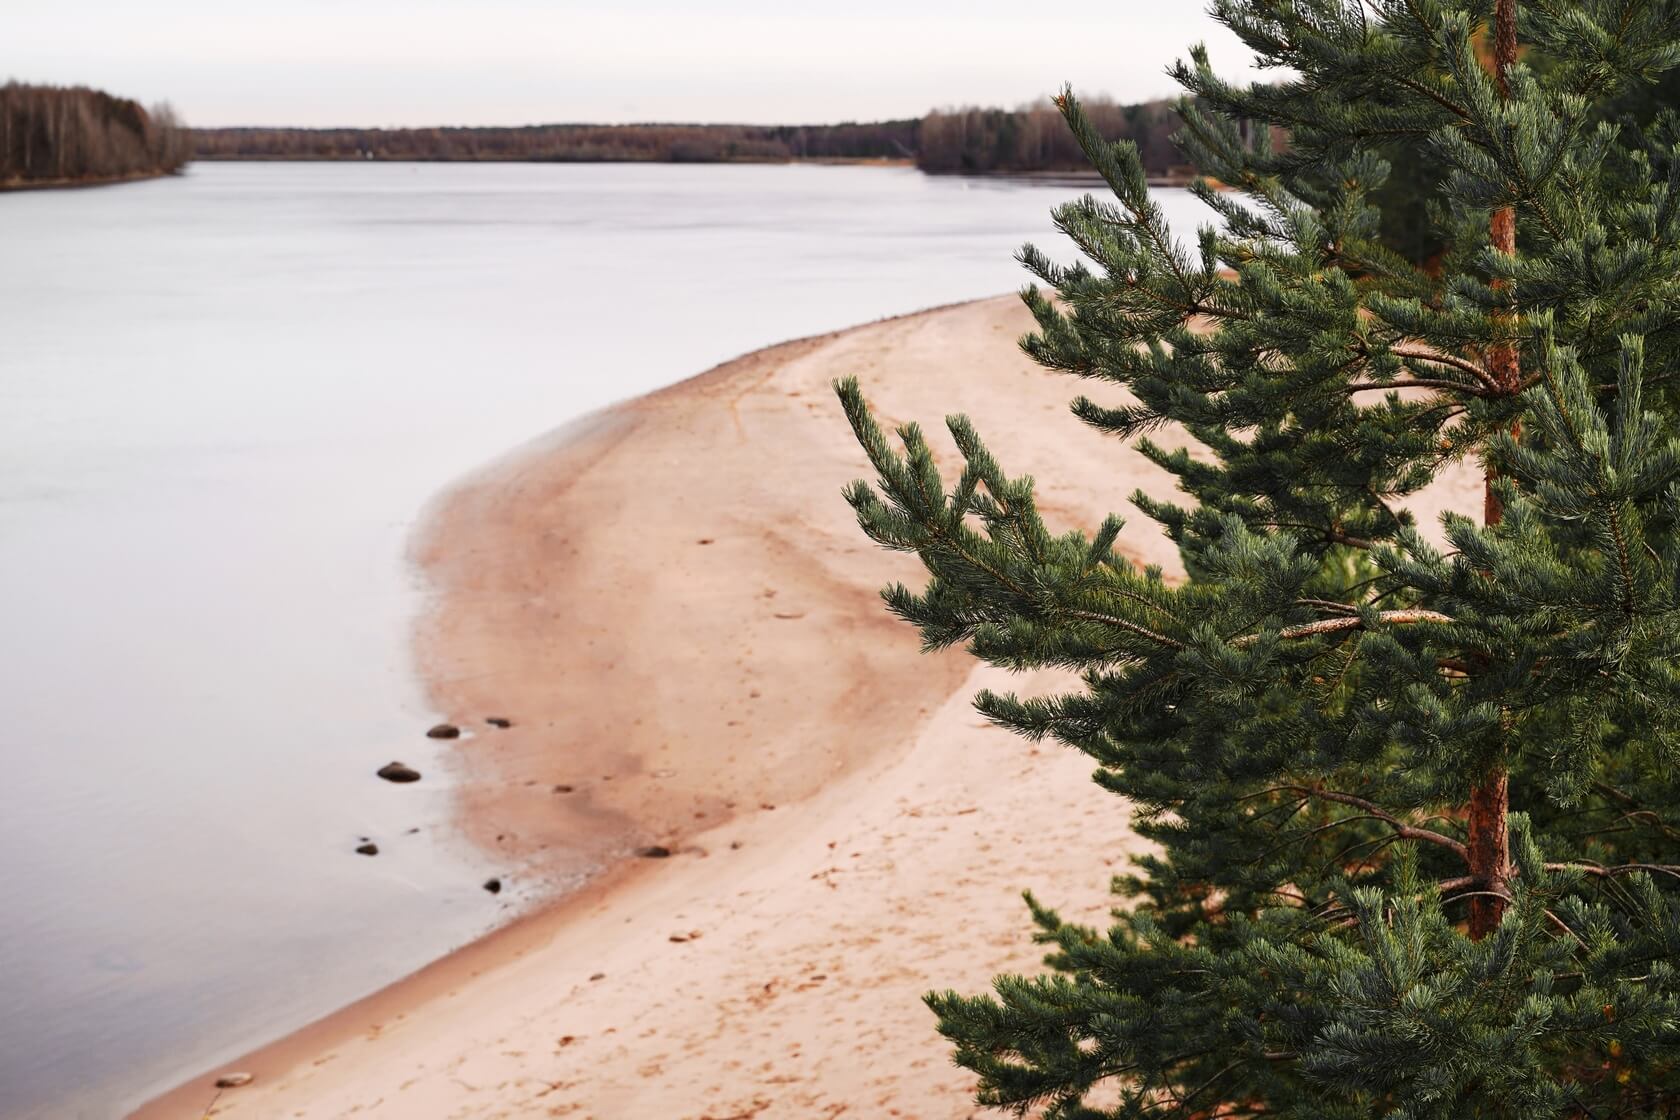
[826,161]
[1072,175]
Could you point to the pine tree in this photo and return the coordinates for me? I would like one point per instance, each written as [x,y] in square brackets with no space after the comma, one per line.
[1414,811]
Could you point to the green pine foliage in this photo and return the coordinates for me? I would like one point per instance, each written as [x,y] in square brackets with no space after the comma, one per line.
[1317,726]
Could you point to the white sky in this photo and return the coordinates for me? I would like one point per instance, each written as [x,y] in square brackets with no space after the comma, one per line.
[420,62]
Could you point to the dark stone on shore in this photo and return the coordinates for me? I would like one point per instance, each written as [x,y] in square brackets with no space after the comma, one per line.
[397,772]
[368,849]
[563,789]
[444,731]
[499,721]
[598,976]
[654,851]
[494,886]
[234,1080]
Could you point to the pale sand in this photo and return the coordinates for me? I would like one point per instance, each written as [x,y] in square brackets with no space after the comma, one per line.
[708,682]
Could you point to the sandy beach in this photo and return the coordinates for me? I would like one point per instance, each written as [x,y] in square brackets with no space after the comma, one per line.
[674,608]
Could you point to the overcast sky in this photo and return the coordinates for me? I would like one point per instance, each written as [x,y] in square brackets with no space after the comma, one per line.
[418,62]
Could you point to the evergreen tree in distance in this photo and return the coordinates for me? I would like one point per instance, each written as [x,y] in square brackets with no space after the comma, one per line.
[1415,815]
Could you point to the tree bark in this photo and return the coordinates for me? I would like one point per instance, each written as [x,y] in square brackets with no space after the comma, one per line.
[1490,800]
[1490,851]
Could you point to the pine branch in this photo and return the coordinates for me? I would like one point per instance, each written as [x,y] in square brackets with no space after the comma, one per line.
[1602,872]
[1334,536]
[1123,624]
[1409,616]
[1439,358]
[1401,828]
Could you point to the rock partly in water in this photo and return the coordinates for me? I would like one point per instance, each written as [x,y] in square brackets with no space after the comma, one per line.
[368,849]
[397,772]
[654,851]
[444,731]
[499,721]
[234,1080]
[494,886]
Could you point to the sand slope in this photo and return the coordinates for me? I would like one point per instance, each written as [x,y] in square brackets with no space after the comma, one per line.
[676,609]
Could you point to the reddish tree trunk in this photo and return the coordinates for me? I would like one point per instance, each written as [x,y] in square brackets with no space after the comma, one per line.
[1490,851]
[1490,800]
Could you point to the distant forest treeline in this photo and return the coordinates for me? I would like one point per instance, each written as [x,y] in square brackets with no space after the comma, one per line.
[569,143]
[1030,139]
[50,134]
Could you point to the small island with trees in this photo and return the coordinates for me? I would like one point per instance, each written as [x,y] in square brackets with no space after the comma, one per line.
[52,136]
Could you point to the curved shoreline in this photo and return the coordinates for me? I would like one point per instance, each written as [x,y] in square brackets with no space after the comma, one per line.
[13,185]
[676,610]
